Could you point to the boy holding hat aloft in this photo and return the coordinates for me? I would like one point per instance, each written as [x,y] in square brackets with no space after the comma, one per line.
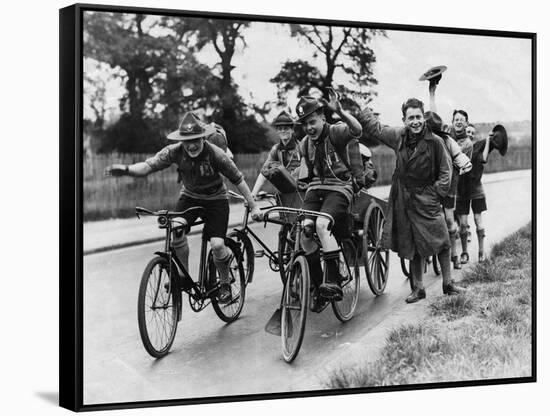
[331,154]
[200,166]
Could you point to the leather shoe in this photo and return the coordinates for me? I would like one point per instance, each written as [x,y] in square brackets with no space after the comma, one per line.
[331,291]
[416,295]
[451,289]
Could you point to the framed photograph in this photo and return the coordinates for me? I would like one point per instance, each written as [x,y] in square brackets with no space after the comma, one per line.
[261,207]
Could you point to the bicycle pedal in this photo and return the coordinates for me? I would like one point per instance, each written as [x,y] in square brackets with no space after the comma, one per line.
[259,253]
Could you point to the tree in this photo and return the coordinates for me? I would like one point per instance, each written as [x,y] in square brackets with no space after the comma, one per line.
[343,49]
[244,132]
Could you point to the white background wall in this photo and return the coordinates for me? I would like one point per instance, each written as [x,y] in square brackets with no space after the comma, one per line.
[29,208]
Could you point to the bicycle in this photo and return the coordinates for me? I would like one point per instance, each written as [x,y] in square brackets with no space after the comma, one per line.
[244,236]
[165,278]
[295,300]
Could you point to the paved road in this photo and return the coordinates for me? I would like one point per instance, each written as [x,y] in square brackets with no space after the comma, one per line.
[209,358]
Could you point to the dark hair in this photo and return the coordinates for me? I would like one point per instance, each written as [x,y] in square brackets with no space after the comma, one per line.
[471,125]
[412,103]
[464,113]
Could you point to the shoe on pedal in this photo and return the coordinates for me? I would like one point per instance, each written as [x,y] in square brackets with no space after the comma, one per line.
[331,291]
[318,303]
[224,293]
[464,258]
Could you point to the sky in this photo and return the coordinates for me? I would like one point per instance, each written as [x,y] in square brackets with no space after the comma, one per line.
[489,77]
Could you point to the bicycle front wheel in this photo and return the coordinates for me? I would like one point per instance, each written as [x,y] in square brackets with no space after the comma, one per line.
[345,308]
[285,249]
[247,252]
[157,308]
[294,308]
[229,312]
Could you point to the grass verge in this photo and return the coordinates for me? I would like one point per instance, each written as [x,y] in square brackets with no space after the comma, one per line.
[483,333]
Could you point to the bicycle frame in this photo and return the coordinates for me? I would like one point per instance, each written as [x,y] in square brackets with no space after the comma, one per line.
[197,291]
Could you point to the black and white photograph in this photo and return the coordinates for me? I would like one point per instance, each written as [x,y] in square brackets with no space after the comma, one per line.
[281,207]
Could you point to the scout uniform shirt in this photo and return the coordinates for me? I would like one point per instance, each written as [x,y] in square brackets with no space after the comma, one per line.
[200,175]
[329,171]
[288,156]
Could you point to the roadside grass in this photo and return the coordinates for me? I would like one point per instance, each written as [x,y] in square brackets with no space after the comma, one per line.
[483,333]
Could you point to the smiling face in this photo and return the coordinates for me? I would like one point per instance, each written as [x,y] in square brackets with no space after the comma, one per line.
[471,132]
[414,119]
[194,147]
[459,122]
[284,132]
[313,125]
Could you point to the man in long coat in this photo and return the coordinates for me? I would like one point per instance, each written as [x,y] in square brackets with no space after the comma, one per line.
[415,224]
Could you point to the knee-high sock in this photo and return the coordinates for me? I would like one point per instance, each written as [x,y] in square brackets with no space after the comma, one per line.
[331,266]
[481,239]
[315,270]
[222,264]
[181,246]
[445,264]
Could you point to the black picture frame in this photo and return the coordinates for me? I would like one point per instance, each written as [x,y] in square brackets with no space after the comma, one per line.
[71,204]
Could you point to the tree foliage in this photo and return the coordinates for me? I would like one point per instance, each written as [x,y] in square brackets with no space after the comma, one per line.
[345,53]
[163,78]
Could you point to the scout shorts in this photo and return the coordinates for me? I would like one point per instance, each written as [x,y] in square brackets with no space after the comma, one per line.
[215,214]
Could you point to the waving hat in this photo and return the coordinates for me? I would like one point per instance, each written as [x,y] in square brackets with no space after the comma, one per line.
[434,72]
[191,128]
[500,132]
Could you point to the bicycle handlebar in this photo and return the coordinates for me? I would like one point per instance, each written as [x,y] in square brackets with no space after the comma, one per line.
[169,214]
[296,211]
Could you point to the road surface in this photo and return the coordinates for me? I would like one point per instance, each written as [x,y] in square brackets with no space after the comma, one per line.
[209,358]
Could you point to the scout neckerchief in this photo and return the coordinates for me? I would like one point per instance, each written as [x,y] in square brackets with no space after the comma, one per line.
[291,145]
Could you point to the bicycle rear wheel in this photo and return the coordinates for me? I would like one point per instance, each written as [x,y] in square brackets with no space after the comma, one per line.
[294,308]
[230,311]
[345,308]
[157,308]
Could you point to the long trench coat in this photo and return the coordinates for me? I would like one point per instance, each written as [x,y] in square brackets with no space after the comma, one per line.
[415,222]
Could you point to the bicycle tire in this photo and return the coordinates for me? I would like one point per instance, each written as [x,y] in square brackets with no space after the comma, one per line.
[231,311]
[295,297]
[285,248]
[376,259]
[158,342]
[247,252]
[345,308]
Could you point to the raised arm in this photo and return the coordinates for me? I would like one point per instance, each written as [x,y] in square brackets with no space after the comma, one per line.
[334,104]
[431,89]
[372,127]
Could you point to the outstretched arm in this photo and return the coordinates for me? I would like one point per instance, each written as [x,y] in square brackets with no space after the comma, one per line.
[139,169]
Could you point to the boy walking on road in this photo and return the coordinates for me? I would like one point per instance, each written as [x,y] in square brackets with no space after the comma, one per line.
[415,225]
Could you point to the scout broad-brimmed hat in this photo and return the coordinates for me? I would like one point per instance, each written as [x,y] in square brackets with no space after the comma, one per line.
[191,128]
[500,132]
[308,105]
[283,119]
[432,73]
